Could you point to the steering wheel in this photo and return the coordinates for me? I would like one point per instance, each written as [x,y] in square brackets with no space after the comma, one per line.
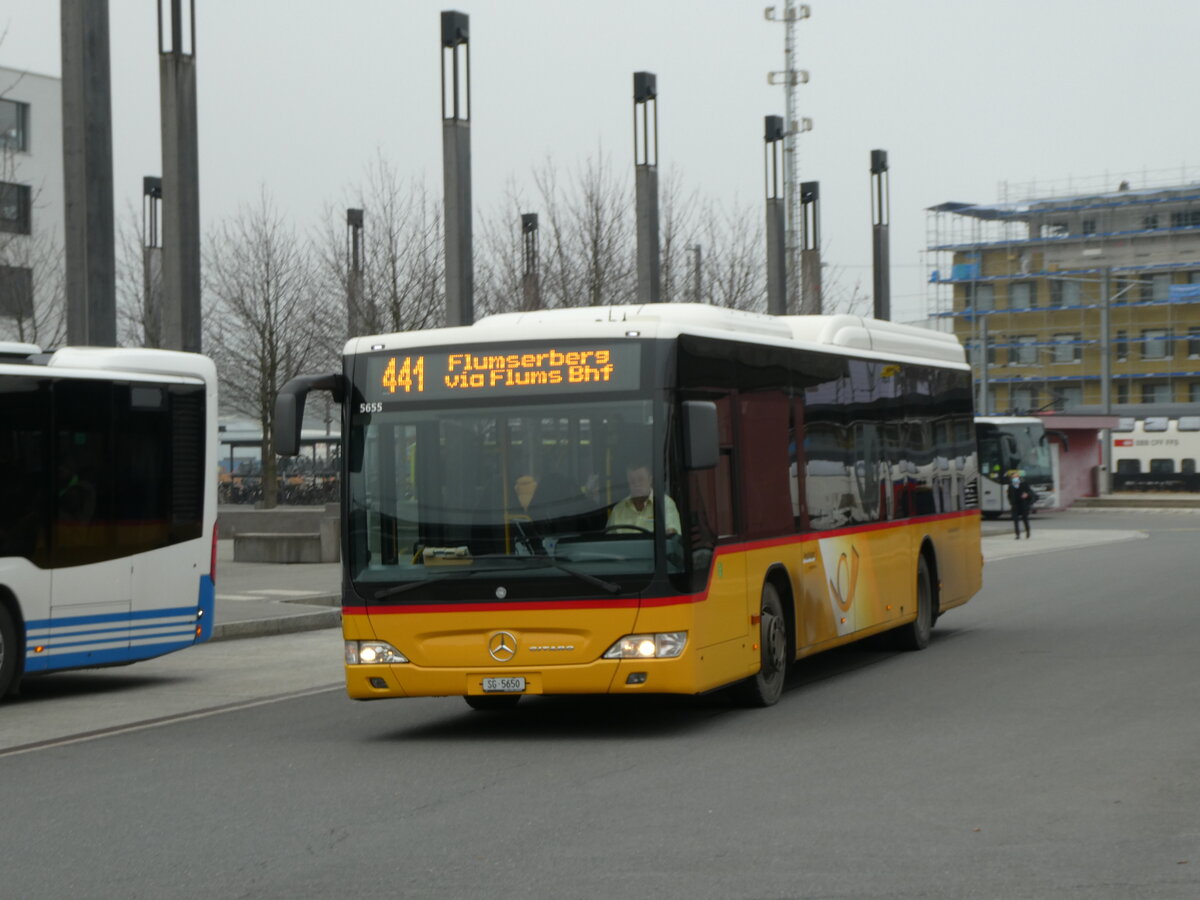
[637,528]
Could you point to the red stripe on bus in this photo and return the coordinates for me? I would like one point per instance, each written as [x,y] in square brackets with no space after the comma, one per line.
[841,532]
[639,603]
[627,603]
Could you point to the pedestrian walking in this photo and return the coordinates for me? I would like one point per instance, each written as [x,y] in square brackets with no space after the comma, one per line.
[1021,498]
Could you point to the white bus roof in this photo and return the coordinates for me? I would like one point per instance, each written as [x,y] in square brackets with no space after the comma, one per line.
[1011,420]
[854,335]
[16,349]
[136,363]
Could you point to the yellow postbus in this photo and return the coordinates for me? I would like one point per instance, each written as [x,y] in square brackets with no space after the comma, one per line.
[646,499]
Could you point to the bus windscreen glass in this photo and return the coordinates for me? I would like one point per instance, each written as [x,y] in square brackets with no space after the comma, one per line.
[517,490]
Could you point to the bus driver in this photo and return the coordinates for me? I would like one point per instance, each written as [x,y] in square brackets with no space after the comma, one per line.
[637,510]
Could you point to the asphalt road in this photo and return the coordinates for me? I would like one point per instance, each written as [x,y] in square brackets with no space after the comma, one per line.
[1045,745]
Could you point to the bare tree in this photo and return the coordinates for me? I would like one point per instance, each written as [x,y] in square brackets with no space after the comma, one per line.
[679,208]
[588,236]
[843,293]
[500,256]
[263,322]
[32,289]
[402,286]
[734,262]
[139,321]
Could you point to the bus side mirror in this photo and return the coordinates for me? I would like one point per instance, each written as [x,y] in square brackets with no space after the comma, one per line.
[289,408]
[700,435]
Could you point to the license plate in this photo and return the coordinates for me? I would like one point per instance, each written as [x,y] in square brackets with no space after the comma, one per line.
[503,685]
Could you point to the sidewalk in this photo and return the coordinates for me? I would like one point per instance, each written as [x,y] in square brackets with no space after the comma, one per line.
[1139,500]
[1000,544]
[256,599]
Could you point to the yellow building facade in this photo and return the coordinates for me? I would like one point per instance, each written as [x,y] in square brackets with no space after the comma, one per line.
[1080,303]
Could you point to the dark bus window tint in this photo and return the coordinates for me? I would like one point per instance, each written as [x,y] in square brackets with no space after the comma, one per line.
[143,472]
[797,464]
[865,440]
[763,429]
[83,489]
[867,469]
[827,477]
[187,406]
[26,487]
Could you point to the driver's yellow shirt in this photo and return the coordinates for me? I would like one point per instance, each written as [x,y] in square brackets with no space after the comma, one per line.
[625,513]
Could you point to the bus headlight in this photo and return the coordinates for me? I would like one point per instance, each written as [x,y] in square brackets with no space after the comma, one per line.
[369,653]
[664,645]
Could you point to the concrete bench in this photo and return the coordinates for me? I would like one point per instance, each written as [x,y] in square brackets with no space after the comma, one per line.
[273,547]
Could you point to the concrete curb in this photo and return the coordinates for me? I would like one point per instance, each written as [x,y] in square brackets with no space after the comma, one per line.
[1127,503]
[317,600]
[325,618]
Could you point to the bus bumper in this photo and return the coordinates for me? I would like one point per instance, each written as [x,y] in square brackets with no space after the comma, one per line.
[605,676]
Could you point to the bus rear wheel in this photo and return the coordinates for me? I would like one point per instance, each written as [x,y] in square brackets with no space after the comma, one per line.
[8,650]
[915,635]
[766,687]
[495,703]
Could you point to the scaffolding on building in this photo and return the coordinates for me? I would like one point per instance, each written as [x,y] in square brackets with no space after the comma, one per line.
[1082,301]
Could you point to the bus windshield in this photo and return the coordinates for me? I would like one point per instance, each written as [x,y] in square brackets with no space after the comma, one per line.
[465,493]
[1014,445]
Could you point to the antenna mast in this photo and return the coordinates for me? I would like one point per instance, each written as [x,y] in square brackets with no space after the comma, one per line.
[790,77]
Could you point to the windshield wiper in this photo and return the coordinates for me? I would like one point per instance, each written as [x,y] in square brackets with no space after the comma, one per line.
[548,563]
[543,562]
[408,586]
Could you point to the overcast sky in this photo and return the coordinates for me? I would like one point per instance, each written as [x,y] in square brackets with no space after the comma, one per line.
[300,95]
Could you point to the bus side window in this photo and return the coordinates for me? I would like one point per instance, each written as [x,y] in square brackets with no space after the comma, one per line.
[763,463]
[83,520]
[26,488]
[798,464]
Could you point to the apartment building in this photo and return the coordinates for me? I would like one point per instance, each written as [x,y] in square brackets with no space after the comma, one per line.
[1081,299]
[31,208]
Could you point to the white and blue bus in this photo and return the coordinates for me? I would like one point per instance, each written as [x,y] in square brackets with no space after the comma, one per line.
[1008,443]
[107,506]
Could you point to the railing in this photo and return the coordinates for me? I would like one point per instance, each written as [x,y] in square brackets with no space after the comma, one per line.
[308,492]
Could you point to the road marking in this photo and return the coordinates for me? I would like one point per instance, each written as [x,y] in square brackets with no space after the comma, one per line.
[166,720]
[281,592]
[270,593]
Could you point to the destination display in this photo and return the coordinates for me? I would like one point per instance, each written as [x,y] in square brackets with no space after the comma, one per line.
[447,374]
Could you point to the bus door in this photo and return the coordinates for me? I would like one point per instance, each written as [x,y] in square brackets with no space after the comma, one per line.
[91,591]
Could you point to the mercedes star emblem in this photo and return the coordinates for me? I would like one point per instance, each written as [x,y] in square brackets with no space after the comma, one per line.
[502,646]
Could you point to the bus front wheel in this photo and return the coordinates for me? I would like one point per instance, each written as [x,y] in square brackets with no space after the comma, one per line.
[915,635]
[8,650]
[766,687]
